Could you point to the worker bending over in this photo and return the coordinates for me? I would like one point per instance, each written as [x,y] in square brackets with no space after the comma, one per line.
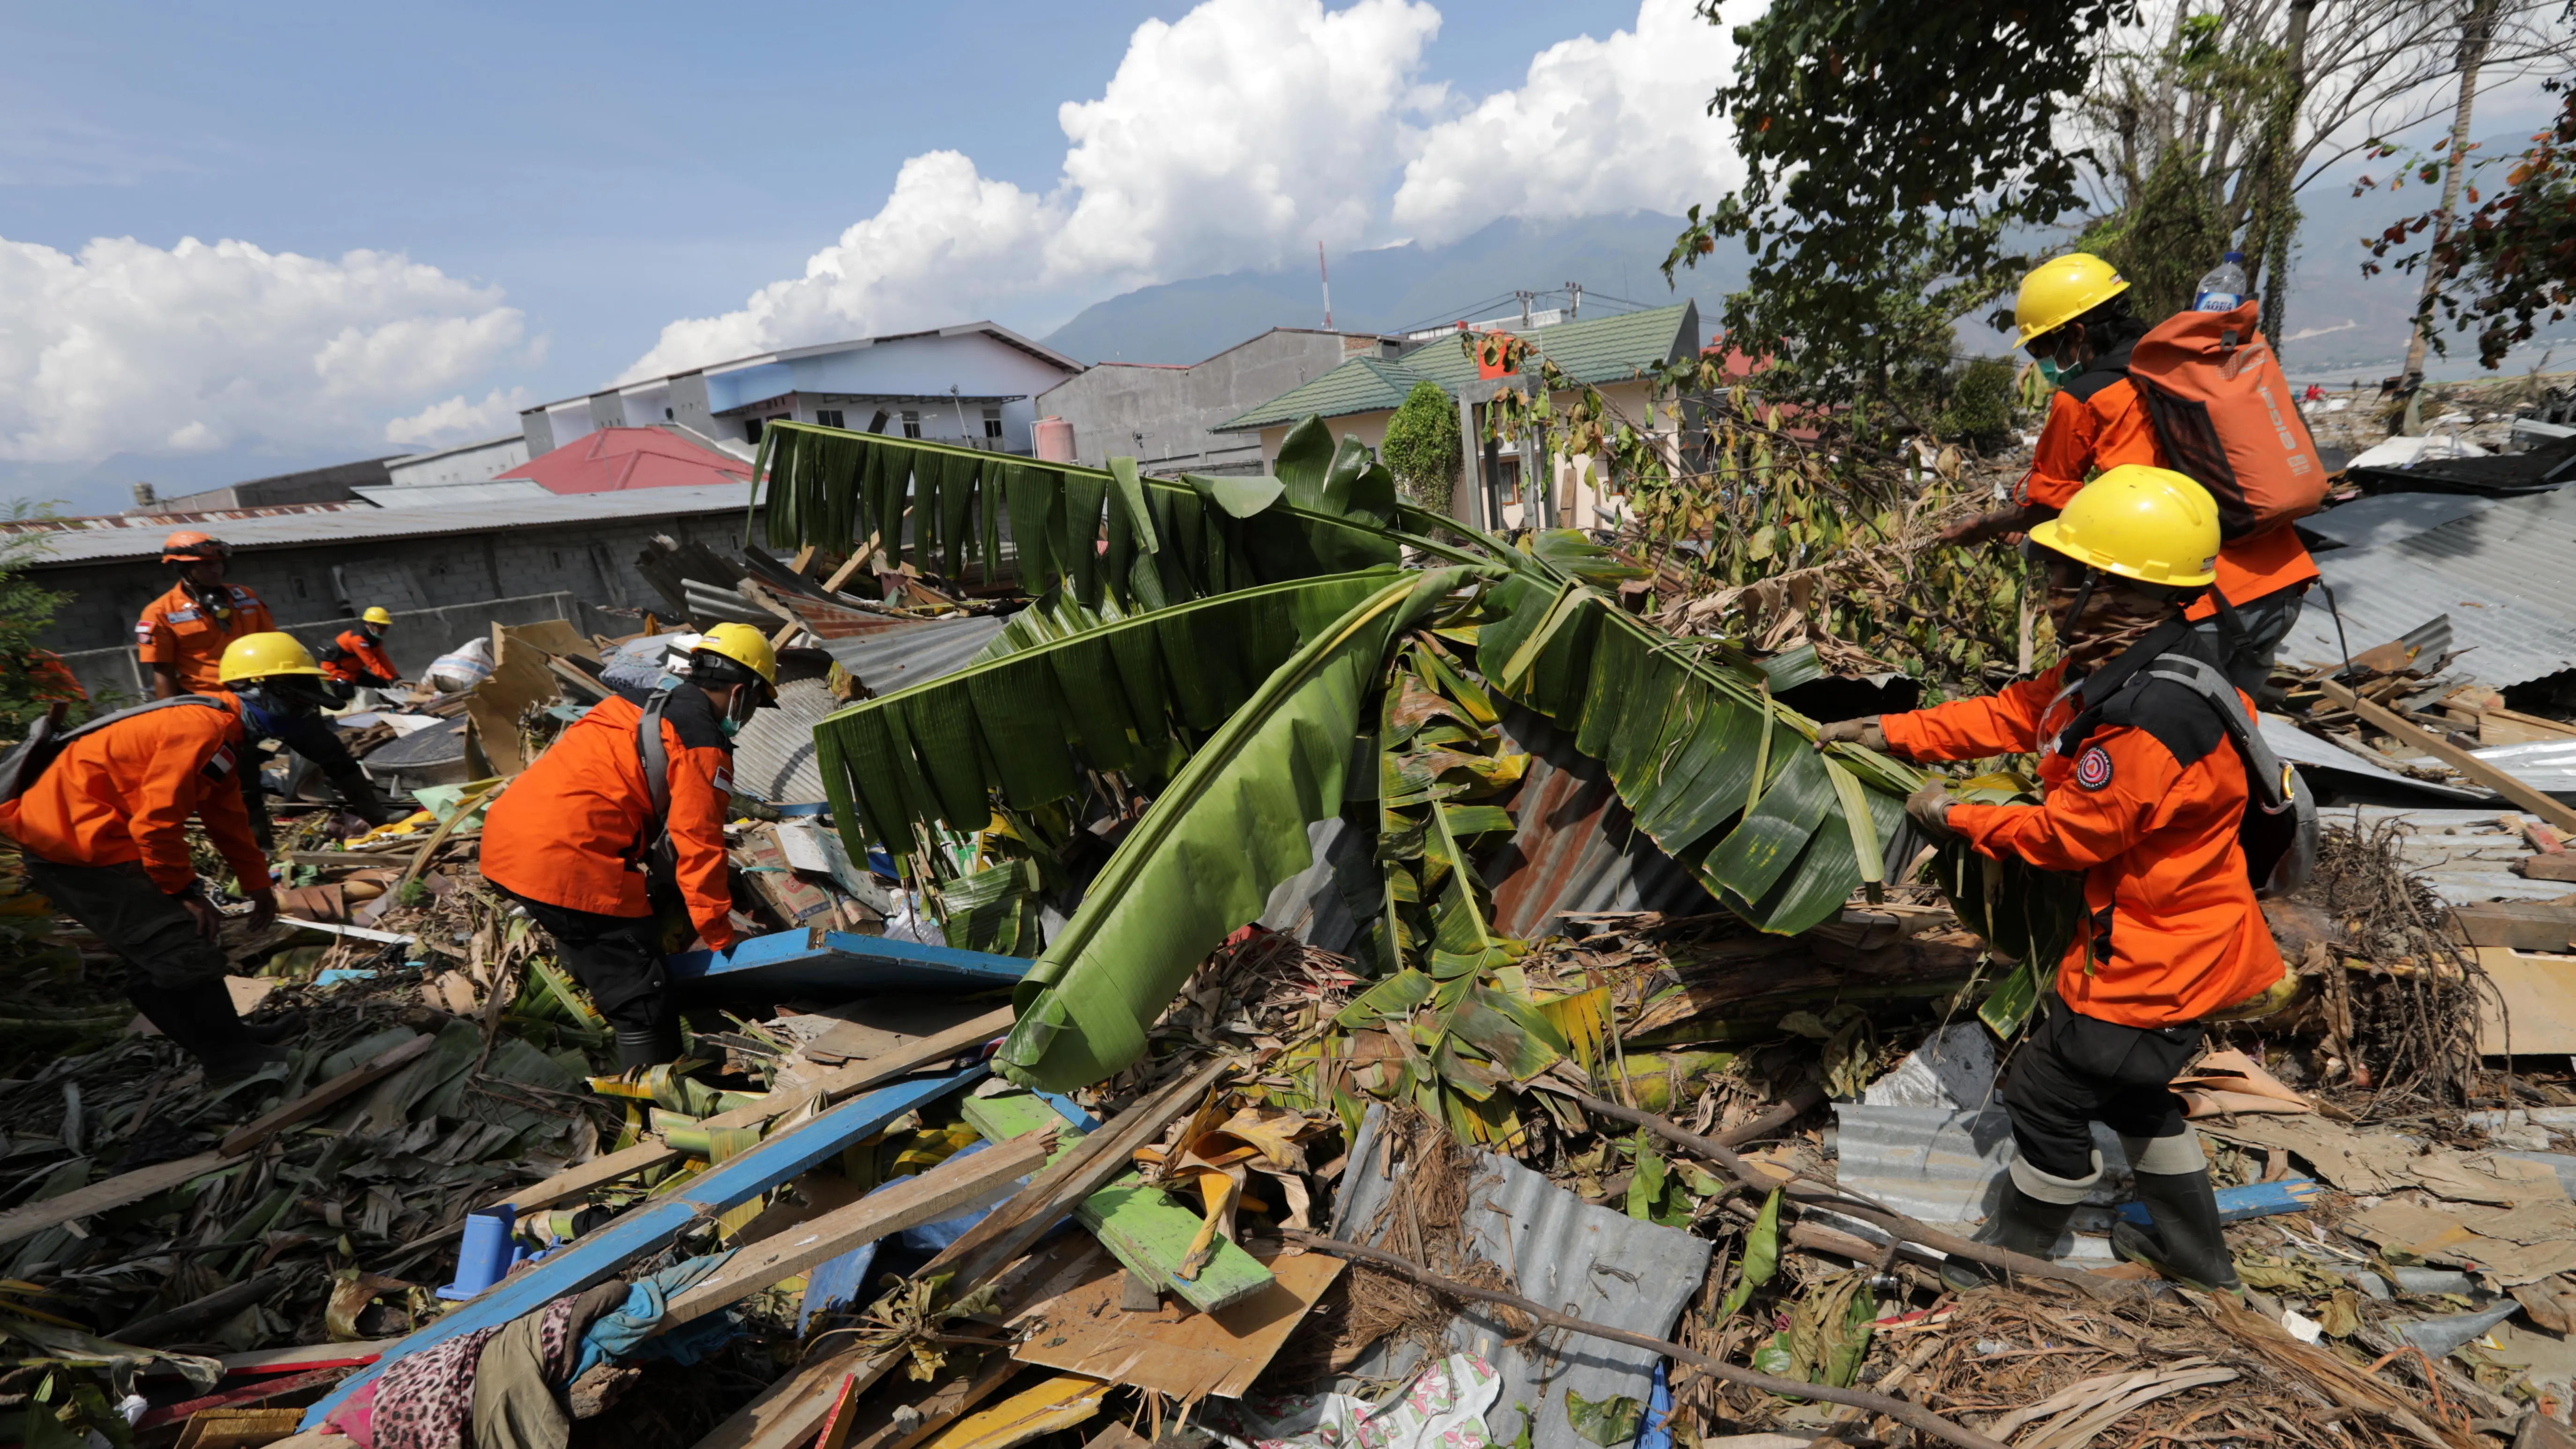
[2145,794]
[182,635]
[2074,316]
[622,820]
[104,830]
[358,658]
[301,727]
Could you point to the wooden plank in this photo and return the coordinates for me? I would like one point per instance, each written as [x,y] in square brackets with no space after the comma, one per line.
[259,1129]
[143,1182]
[1140,1225]
[791,1411]
[2521,925]
[1058,1403]
[298,1359]
[941,1192]
[652,1153]
[1080,1329]
[849,566]
[651,1225]
[2452,755]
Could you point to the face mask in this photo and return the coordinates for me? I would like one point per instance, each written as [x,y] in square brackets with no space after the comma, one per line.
[2049,370]
[730,726]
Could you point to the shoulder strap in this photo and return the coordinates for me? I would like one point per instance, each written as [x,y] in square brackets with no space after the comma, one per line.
[2263,770]
[656,758]
[122,715]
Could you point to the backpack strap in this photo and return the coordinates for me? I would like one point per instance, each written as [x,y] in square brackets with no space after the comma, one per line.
[2263,780]
[122,715]
[656,759]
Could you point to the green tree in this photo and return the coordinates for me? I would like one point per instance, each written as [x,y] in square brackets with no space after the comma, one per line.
[1421,446]
[30,677]
[1981,403]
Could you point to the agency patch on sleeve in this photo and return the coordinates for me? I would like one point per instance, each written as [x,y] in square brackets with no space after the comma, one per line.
[2093,768]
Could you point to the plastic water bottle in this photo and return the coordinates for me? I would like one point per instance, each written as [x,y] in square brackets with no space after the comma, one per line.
[2222,287]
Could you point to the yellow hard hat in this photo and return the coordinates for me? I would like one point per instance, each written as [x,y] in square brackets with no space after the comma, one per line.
[744,645]
[2150,524]
[378,615]
[266,656]
[2062,289]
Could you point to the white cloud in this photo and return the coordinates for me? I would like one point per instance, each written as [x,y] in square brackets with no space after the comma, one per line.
[199,346]
[457,420]
[1598,127]
[1236,136]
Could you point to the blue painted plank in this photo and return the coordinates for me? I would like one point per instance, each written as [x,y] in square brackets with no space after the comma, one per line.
[648,1226]
[2253,1200]
[815,961]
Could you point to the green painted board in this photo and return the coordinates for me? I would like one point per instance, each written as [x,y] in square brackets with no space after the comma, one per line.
[1140,1226]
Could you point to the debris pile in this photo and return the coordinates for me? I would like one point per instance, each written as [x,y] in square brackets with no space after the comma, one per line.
[1210,981]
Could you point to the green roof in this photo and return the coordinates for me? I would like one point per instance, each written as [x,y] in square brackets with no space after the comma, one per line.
[1595,350]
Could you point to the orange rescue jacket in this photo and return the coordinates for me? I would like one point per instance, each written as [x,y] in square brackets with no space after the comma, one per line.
[2144,795]
[2096,422]
[125,794]
[353,658]
[571,829]
[177,630]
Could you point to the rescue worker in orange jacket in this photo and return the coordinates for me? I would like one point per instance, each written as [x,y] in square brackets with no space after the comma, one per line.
[183,633]
[2145,794]
[358,658]
[576,839]
[2074,316]
[103,827]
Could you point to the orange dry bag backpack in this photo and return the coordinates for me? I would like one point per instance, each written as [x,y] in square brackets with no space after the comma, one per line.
[2226,418]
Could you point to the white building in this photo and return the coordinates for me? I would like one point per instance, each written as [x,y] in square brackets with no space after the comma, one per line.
[464,463]
[971,383]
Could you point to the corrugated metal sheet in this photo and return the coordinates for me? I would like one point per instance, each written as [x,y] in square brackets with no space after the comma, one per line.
[1943,1165]
[1591,1262]
[454,495]
[1574,847]
[2300,748]
[2500,574]
[773,757]
[2543,765]
[710,604]
[101,539]
[2463,854]
[898,658]
[2390,517]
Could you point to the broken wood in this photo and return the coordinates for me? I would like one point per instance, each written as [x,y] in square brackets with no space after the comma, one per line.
[2522,925]
[942,1192]
[1077,1327]
[143,1182]
[849,566]
[2559,866]
[646,1155]
[2452,755]
[1913,1416]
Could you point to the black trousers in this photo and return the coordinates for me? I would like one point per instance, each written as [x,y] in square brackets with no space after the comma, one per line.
[618,960]
[2076,1070]
[138,920]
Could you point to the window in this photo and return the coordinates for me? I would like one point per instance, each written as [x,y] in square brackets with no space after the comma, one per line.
[1507,481]
[829,417]
[911,423]
[751,430]
[993,424]
[557,556]
[666,415]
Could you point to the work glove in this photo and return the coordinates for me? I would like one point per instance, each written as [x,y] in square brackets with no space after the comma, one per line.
[1862,732]
[1929,807]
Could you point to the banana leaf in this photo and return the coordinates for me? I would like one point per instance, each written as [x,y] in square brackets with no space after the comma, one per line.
[1079,693]
[1205,856]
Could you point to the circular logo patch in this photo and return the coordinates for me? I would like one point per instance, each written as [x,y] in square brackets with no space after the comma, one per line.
[2093,768]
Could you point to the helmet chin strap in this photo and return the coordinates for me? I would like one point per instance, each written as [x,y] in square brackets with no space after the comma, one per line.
[2083,598]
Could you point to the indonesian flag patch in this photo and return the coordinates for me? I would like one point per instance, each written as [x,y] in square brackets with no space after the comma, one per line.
[219,765]
[2093,768]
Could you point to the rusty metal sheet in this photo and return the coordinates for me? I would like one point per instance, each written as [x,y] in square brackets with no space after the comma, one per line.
[1574,846]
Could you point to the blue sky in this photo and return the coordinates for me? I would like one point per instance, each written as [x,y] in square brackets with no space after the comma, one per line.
[610,167]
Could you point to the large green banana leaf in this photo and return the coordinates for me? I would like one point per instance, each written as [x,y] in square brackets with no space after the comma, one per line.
[1205,856]
[1109,697]
[1716,772]
[1101,533]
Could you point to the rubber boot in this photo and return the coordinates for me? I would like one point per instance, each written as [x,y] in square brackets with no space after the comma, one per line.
[200,1018]
[2021,1224]
[359,793]
[2186,1244]
[650,1047]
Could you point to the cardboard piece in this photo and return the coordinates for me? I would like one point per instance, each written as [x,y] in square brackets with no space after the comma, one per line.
[1079,1327]
[2230,1082]
[2539,1001]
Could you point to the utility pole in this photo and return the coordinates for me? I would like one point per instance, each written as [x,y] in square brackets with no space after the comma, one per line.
[1574,301]
[1322,271]
[1525,299]
[2476,29]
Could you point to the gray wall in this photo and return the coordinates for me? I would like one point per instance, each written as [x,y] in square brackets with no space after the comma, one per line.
[593,562]
[419,636]
[1174,407]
